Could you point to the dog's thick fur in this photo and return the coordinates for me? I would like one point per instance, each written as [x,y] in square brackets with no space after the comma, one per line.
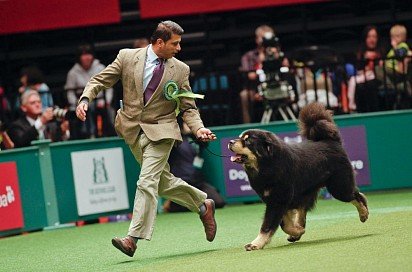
[287,177]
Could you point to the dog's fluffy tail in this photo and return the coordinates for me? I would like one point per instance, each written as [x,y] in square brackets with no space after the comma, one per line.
[316,123]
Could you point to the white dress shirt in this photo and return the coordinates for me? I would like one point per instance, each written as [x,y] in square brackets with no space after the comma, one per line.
[40,127]
[151,61]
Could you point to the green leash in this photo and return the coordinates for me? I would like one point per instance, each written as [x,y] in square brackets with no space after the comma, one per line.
[172,92]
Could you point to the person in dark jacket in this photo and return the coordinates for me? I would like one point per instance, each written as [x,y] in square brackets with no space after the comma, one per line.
[35,123]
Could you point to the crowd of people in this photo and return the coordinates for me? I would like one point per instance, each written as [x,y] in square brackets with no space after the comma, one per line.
[377,80]
[23,121]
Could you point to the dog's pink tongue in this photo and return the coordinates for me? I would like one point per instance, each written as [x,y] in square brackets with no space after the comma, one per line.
[234,158]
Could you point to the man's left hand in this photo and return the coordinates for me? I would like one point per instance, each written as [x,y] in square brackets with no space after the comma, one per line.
[205,135]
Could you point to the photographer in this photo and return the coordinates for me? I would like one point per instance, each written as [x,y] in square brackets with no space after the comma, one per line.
[265,54]
[36,124]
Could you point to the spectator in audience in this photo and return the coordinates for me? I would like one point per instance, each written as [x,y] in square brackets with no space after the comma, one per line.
[399,50]
[5,117]
[363,87]
[5,141]
[397,61]
[5,109]
[306,88]
[186,163]
[36,123]
[85,68]
[140,43]
[32,78]
[250,62]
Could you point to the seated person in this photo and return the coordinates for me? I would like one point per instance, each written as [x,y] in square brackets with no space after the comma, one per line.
[185,162]
[32,78]
[5,141]
[250,62]
[35,124]
[307,92]
[363,85]
[86,67]
[253,61]
[5,117]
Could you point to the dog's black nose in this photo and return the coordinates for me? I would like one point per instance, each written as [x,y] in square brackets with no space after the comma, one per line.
[229,145]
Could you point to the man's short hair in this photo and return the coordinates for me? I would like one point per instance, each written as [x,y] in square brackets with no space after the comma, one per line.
[260,30]
[26,95]
[165,30]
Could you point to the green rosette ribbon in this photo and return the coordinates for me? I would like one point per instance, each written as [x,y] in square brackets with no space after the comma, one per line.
[172,92]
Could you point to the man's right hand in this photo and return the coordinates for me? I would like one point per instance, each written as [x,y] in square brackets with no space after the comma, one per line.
[47,116]
[81,110]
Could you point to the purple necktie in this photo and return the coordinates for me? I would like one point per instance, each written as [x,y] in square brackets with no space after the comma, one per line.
[154,82]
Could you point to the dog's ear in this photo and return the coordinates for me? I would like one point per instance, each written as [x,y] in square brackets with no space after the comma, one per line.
[269,148]
[265,149]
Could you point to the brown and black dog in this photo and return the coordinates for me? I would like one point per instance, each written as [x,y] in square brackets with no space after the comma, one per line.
[287,177]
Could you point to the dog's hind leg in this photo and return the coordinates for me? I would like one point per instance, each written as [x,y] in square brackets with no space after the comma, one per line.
[293,223]
[342,187]
[361,204]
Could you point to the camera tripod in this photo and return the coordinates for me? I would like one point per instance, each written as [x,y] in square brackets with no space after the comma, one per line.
[277,106]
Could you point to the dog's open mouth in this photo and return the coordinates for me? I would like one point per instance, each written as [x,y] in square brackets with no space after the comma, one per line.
[238,158]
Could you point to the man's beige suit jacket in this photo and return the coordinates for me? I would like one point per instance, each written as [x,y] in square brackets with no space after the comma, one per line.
[157,118]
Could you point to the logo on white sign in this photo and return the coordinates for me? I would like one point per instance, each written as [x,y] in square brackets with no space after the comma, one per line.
[100,181]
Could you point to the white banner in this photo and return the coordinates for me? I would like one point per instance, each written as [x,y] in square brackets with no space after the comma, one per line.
[99,181]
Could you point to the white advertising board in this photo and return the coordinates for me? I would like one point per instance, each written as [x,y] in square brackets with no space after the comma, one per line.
[99,180]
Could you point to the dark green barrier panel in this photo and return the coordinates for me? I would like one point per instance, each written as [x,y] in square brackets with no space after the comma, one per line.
[63,174]
[389,147]
[31,187]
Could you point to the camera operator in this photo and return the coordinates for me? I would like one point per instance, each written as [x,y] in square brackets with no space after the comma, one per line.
[36,124]
[276,79]
[277,84]
[251,62]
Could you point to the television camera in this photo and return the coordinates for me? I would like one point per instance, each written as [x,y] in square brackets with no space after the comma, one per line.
[273,85]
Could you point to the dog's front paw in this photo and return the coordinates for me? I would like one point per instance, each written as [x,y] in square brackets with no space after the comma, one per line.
[251,246]
[363,216]
[293,239]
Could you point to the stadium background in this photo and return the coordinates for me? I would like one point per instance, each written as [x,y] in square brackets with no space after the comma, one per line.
[213,41]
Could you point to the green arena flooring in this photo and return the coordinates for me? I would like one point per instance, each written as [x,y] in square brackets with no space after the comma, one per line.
[335,240]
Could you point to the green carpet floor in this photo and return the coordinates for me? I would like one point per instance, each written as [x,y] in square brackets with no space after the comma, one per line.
[335,240]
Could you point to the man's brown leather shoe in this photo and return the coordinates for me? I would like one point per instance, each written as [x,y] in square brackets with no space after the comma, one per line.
[208,220]
[126,245]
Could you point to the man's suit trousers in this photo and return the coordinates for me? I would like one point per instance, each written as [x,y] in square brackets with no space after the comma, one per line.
[156,180]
